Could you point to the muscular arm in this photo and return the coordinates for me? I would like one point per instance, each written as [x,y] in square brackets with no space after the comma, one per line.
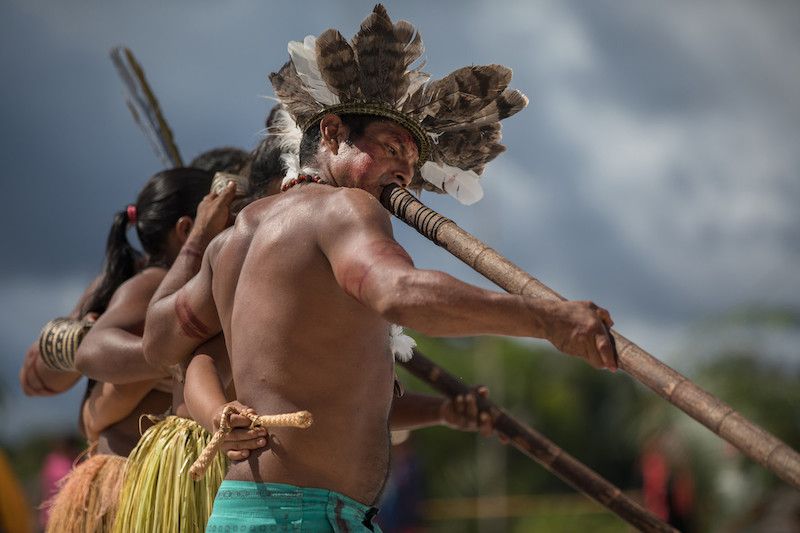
[36,378]
[182,315]
[112,350]
[375,270]
[178,323]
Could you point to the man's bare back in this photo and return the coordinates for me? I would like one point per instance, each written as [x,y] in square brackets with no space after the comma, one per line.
[300,342]
[304,287]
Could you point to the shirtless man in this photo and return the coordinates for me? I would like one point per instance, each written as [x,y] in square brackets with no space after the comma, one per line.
[324,278]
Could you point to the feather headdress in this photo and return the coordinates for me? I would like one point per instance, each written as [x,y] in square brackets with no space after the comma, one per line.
[454,120]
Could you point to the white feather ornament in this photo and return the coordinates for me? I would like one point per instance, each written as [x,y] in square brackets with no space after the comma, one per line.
[402,345]
[462,185]
[304,57]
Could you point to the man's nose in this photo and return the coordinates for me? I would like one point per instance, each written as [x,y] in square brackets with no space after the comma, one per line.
[405,173]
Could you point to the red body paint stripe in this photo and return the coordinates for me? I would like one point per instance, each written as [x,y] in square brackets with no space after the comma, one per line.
[43,387]
[192,326]
[192,250]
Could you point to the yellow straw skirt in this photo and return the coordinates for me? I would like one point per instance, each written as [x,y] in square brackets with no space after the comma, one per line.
[158,495]
[88,497]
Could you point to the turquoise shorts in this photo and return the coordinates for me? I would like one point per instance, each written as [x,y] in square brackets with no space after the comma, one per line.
[245,507]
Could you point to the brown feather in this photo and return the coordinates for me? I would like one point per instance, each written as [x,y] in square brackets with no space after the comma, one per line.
[471,149]
[384,52]
[337,65]
[292,93]
[506,104]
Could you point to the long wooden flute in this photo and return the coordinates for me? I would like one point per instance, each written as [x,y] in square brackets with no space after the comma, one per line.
[542,450]
[716,415]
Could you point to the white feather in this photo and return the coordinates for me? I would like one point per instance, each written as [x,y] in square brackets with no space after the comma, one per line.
[460,184]
[402,345]
[290,134]
[304,56]
[291,162]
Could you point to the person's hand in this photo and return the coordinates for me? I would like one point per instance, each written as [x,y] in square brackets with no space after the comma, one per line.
[582,329]
[462,413]
[213,212]
[241,439]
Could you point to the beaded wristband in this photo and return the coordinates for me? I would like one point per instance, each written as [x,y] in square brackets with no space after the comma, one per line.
[59,340]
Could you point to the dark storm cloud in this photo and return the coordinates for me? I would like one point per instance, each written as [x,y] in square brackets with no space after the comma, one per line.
[655,170]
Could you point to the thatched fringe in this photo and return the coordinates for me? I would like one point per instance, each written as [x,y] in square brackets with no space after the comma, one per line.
[157,493]
[88,497]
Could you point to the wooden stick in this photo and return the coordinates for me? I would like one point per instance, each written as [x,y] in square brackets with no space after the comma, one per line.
[716,415]
[300,419]
[540,449]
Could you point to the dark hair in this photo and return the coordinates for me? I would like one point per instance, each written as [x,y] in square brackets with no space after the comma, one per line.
[165,198]
[312,137]
[266,168]
[225,159]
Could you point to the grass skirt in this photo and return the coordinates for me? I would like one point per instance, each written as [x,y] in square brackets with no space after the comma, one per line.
[88,497]
[157,493]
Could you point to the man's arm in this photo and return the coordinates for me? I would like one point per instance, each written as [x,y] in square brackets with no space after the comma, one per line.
[376,271]
[179,323]
[181,315]
[112,350]
[416,411]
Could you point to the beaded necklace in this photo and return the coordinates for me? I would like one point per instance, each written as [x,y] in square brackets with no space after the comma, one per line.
[301,179]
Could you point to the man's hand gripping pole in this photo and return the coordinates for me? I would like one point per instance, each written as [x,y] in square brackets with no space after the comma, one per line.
[719,417]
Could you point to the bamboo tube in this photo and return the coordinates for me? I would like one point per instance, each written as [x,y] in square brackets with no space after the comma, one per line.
[719,417]
[300,419]
[540,449]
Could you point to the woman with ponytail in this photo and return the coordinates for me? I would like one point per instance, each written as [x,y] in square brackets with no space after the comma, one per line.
[122,386]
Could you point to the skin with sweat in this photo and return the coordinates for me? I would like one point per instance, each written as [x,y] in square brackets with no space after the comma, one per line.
[324,277]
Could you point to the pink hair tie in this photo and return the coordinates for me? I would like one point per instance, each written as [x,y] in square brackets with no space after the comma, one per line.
[132,214]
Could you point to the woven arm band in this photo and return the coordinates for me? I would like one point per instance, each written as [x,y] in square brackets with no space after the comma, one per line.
[59,340]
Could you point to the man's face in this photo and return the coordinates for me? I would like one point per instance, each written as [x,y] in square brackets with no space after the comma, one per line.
[385,154]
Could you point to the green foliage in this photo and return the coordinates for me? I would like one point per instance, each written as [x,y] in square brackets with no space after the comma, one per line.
[586,412]
[603,419]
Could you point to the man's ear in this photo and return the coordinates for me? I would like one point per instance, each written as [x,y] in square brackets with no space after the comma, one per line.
[183,227]
[333,132]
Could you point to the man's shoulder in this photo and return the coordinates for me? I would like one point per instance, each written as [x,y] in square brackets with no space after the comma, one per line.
[321,202]
[150,276]
[354,200]
[142,286]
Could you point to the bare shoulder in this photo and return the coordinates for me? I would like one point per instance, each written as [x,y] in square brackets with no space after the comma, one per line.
[213,248]
[142,285]
[354,206]
[128,305]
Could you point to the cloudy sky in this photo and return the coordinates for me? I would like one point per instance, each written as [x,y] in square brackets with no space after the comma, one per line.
[656,170]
